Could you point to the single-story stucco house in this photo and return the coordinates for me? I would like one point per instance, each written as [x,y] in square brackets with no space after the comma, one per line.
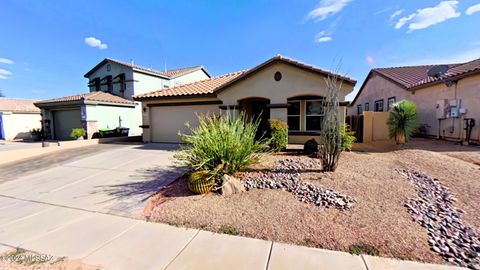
[17,118]
[109,103]
[279,88]
[446,102]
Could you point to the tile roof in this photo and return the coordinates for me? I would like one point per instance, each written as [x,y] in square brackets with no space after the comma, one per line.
[203,87]
[417,76]
[213,85]
[169,74]
[92,96]
[18,105]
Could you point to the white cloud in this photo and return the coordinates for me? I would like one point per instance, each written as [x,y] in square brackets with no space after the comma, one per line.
[323,39]
[427,17]
[323,36]
[396,14]
[327,8]
[94,42]
[4,74]
[6,61]
[473,9]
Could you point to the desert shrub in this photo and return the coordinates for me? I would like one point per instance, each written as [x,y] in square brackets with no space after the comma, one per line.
[310,147]
[348,137]
[77,133]
[402,121]
[359,249]
[221,145]
[279,135]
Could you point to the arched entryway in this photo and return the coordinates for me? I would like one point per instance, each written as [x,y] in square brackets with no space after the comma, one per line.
[256,108]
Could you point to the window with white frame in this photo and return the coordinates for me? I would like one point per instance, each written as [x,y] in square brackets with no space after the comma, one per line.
[294,115]
[313,114]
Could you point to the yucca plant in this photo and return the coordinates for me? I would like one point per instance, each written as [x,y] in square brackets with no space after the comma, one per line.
[221,145]
[402,121]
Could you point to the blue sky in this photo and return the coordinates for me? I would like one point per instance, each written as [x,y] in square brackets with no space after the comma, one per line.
[46,46]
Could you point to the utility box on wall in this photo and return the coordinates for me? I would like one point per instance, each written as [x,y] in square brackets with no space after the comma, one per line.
[442,108]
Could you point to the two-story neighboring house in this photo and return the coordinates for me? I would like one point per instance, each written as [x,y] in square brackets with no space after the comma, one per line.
[447,96]
[109,102]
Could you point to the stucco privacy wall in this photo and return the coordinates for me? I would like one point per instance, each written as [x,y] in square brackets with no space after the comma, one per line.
[18,125]
[375,126]
[108,117]
[115,69]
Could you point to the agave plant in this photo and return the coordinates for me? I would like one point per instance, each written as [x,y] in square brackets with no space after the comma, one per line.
[402,121]
[221,145]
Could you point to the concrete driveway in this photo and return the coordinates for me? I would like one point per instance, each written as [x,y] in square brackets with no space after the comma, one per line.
[117,181]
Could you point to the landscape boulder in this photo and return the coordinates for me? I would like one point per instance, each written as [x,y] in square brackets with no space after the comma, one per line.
[231,185]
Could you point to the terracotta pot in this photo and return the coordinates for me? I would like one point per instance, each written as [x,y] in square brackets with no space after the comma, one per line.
[400,138]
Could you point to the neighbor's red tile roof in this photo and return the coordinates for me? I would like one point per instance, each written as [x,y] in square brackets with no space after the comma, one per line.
[417,76]
[92,96]
[196,88]
[18,105]
[169,74]
[212,85]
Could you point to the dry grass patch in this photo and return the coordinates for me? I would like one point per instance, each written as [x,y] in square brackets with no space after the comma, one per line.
[379,220]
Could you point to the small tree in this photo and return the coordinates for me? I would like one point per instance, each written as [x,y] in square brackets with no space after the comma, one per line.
[330,139]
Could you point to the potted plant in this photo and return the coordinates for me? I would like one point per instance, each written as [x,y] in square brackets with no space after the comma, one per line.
[78,133]
[402,121]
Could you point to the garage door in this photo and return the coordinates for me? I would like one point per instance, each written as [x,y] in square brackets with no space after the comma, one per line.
[165,122]
[64,122]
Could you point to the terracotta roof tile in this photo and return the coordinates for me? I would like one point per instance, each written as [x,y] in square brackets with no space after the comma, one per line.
[203,87]
[169,74]
[212,85]
[92,96]
[416,76]
[18,105]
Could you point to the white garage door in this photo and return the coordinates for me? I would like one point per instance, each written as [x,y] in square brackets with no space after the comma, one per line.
[64,122]
[165,122]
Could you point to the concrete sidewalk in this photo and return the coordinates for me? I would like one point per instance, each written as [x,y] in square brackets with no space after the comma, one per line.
[116,242]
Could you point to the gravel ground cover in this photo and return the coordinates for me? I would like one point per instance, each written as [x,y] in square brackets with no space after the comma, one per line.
[433,209]
[369,174]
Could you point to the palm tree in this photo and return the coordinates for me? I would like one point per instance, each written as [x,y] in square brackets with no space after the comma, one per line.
[402,121]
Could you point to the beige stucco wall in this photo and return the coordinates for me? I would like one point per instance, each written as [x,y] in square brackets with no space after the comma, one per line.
[375,126]
[467,90]
[18,125]
[295,82]
[107,117]
[378,88]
